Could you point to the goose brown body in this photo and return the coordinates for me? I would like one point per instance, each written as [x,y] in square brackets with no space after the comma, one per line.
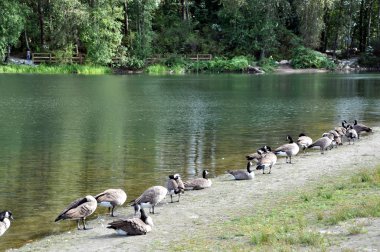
[198,183]
[79,210]
[133,226]
[243,175]
[111,198]
[150,198]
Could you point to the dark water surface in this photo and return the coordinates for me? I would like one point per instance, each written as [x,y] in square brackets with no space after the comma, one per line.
[63,137]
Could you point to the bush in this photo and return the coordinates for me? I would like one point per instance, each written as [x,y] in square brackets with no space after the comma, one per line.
[267,64]
[157,69]
[220,65]
[369,58]
[307,58]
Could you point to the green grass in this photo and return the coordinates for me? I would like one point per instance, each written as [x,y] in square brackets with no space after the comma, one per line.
[295,221]
[55,69]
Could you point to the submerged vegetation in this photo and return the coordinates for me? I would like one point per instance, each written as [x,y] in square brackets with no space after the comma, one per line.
[300,220]
[133,31]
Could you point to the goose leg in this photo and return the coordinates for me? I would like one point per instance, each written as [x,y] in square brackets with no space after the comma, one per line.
[171,198]
[78,227]
[152,209]
[179,196]
[290,158]
[112,212]
[84,225]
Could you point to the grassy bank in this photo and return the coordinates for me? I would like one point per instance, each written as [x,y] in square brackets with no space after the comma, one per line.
[55,69]
[300,220]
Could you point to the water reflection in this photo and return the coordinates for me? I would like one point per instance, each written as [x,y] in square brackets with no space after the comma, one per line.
[67,136]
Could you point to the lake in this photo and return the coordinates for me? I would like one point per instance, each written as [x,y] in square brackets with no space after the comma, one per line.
[63,137]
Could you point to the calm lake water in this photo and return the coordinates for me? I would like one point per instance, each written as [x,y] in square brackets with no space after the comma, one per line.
[63,137]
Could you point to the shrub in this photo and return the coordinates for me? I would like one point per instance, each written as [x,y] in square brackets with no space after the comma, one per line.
[267,64]
[307,58]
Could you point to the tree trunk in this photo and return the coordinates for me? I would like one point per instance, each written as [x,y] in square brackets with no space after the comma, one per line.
[369,23]
[126,23]
[362,27]
[41,22]
[26,41]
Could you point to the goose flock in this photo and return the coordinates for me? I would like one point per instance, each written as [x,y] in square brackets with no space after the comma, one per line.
[264,158]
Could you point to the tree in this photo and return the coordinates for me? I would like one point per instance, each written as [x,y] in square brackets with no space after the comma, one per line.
[102,33]
[12,24]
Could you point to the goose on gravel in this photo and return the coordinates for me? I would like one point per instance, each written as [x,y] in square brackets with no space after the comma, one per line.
[198,183]
[243,175]
[79,210]
[111,198]
[288,150]
[150,198]
[175,186]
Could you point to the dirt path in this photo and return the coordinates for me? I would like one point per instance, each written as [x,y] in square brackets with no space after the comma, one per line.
[226,199]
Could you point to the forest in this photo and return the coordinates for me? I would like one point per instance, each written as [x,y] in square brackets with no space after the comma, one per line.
[134,30]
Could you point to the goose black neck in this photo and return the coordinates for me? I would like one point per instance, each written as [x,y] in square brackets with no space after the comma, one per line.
[143,215]
[204,175]
[290,139]
[355,122]
[249,167]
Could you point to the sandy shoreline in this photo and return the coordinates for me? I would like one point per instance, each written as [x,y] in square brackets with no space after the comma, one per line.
[226,199]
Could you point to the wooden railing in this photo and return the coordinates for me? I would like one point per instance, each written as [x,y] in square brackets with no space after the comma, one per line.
[198,57]
[50,58]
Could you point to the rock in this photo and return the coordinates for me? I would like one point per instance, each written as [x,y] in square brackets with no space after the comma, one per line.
[284,62]
[255,70]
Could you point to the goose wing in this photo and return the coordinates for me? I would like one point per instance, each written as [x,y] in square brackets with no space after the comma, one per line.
[72,206]
[134,226]
[197,183]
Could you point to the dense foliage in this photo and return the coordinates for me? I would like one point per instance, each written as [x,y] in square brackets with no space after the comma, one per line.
[135,30]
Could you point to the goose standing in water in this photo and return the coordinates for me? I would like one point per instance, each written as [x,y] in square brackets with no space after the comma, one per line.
[361,128]
[5,222]
[304,141]
[79,210]
[133,226]
[150,198]
[198,183]
[175,186]
[323,143]
[288,150]
[111,198]
[268,160]
[243,175]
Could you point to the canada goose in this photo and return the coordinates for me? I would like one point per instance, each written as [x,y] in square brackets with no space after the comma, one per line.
[133,226]
[243,175]
[351,134]
[323,142]
[79,210]
[337,138]
[198,183]
[175,186]
[268,159]
[304,141]
[111,198]
[288,150]
[360,128]
[5,223]
[150,198]
[255,156]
